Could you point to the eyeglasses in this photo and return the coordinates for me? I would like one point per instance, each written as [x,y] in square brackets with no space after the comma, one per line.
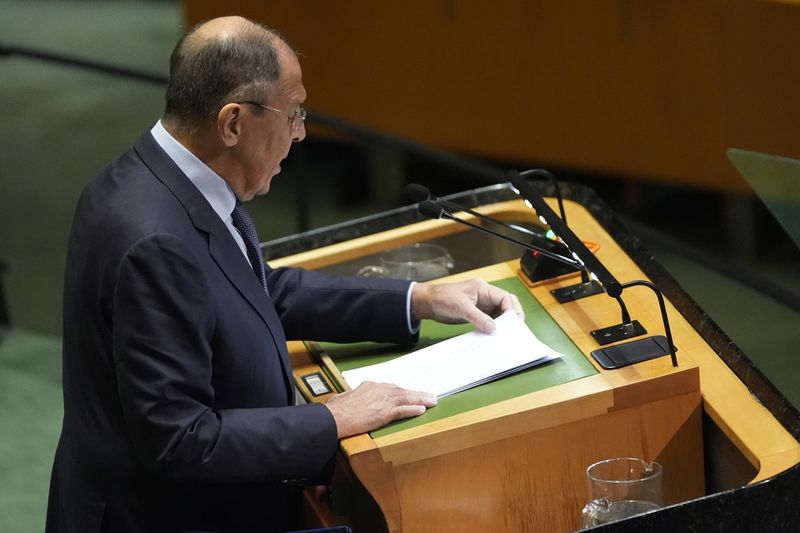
[297,118]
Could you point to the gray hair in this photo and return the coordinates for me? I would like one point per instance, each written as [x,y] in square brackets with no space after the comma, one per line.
[207,73]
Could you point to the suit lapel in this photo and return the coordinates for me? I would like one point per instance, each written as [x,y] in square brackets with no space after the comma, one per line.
[222,248]
[232,263]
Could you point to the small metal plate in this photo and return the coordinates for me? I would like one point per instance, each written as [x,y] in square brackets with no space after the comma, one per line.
[576,292]
[619,332]
[316,384]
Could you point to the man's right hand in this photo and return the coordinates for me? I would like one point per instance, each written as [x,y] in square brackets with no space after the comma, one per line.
[373,405]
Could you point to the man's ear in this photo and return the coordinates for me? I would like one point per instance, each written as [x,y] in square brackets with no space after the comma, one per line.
[229,124]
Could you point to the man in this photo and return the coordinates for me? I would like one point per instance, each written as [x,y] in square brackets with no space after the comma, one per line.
[179,407]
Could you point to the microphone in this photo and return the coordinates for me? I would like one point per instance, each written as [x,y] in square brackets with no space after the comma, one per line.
[432,209]
[540,172]
[419,193]
[586,288]
[621,354]
[574,244]
[534,264]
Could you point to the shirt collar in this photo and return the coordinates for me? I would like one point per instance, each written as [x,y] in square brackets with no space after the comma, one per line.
[215,189]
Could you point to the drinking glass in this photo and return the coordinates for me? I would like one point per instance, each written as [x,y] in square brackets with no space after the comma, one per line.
[418,262]
[621,488]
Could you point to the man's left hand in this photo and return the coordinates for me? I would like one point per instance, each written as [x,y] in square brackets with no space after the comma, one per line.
[473,301]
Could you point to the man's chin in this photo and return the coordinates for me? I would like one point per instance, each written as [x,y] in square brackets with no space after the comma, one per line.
[267,184]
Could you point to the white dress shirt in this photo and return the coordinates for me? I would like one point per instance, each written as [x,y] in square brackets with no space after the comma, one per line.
[210,184]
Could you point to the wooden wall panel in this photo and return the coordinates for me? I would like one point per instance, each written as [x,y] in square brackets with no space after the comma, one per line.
[639,89]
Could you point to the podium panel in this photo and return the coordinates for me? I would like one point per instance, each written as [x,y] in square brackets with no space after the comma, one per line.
[517,463]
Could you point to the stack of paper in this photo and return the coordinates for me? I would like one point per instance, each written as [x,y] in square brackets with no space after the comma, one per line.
[462,362]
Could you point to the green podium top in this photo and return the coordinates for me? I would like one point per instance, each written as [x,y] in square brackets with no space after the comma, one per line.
[573,365]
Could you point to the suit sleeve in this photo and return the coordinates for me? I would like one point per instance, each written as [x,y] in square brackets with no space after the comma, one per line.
[316,306]
[163,323]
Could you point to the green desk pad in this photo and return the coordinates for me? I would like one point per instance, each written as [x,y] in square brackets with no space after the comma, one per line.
[573,365]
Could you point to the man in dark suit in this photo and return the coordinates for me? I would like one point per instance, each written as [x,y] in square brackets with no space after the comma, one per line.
[179,407]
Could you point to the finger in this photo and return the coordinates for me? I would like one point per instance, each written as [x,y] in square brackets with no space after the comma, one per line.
[510,302]
[407,411]
[490,297]
[421,398]
[480,320]
[497,301]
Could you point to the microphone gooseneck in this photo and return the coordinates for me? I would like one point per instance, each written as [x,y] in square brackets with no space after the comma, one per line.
[575,245]
[539,172]
[432,209]
[420,193]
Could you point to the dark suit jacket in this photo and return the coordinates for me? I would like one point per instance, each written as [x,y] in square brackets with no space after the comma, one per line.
[177,384]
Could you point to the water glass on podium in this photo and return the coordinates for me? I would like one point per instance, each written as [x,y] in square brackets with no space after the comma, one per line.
[621,488]
[416,262]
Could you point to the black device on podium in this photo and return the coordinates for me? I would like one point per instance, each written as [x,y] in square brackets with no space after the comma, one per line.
[587,287]
[539,267]
[621,354]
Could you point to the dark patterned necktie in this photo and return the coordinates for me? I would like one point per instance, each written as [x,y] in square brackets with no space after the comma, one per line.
[243,222]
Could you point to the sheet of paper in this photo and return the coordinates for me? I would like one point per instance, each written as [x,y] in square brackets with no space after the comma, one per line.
[461,362]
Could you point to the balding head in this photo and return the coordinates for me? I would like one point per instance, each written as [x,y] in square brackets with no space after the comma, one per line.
[223,60]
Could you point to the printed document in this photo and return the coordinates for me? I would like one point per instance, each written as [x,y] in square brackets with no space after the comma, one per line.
[462,362]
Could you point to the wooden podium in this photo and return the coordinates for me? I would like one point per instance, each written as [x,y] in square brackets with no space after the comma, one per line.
[519,464]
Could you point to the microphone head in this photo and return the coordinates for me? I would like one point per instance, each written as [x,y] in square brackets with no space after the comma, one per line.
[430,209]
[417,193]
[515,179]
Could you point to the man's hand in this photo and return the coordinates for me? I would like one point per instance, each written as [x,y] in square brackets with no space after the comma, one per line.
[372,405]
[473,301]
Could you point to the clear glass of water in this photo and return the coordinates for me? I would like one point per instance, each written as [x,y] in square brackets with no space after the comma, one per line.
[621,488]
[422,261]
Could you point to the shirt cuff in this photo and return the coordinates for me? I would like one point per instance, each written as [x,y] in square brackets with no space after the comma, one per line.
[413,328]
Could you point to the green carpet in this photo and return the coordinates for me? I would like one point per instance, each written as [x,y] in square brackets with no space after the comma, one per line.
[62,124]
[30,422]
